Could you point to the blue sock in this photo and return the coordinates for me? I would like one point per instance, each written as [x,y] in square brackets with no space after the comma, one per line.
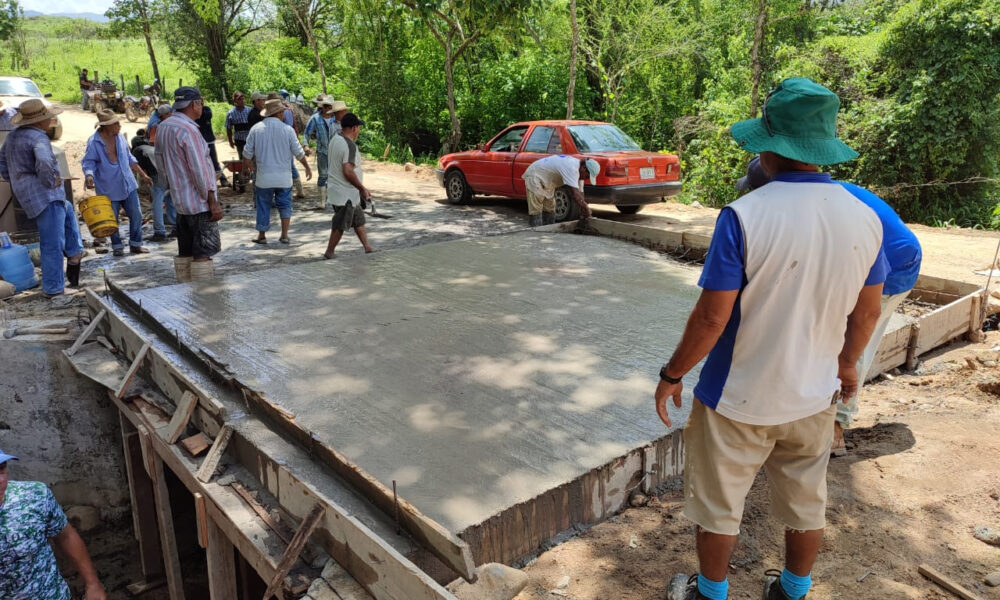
[795,587]
[713,590]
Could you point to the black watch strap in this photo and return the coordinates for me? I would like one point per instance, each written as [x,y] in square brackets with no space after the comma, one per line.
[668,378]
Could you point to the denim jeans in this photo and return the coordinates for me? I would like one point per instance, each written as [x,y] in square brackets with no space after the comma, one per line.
[58,236]
[134,221]
[322,165]
[161,197]
[295,172]
[268,198]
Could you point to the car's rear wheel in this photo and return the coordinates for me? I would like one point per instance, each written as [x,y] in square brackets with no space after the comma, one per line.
[457,187]
[628,210]
[566,208]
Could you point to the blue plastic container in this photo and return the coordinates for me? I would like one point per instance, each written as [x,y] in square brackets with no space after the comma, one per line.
[15,265]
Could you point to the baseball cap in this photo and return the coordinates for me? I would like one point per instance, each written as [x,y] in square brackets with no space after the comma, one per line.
[351,120]
[5,457]
[593,168]
[756,177]
[183,96]
[164,109]
[257,96]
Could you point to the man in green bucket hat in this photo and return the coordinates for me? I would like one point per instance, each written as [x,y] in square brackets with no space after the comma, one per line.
[790,264]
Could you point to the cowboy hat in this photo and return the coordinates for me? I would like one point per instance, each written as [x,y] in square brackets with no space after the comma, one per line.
[339,105]
[34,111]
[272,107]
[798,121]
[321,98]
[106,117]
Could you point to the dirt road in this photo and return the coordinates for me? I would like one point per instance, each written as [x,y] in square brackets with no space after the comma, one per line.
[922,473]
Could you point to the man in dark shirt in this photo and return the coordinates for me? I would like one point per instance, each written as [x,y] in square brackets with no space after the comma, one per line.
[204,123]
[85,86]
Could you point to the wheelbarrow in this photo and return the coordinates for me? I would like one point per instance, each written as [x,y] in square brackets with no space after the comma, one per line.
[242,174]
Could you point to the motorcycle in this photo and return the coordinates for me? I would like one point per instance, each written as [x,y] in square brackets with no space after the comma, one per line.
[136,108]
[107,95]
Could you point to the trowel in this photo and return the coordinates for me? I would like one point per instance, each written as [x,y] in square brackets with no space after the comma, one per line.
[375,213]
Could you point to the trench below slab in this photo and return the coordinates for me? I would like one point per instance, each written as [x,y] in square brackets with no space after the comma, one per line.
[475,373]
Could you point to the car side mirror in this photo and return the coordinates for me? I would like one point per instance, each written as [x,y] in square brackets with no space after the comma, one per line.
[49,95]
[482,147]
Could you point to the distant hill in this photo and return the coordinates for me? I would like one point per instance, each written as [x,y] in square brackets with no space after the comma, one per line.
[80,15]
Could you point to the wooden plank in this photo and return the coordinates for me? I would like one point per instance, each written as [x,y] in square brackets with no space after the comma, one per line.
[891,351]
[944,324]
[168,539]
[91,327]
[196,444]
[211,462]
[306,529]
[946,582]
[143,505]
[98,364]
[146,448]
[947,286]
[261,512]
[201,519]
[221,564]
[179,422]
[132,370]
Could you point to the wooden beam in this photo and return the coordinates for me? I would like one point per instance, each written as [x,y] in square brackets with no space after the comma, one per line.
[132,370]
[143,505]
[207,469]
[947,583]
[201,519]
[179,422]
[294,548]
[168,539]
[87,332]
[221,564]
[147,451]
[196,444]
[261,512]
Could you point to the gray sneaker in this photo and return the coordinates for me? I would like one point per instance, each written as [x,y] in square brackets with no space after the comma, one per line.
[772,586]
[684,587]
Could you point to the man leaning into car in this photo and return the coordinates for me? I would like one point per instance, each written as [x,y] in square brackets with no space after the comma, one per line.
[545,176]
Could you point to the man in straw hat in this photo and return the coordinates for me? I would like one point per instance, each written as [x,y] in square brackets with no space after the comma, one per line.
[110,168]
[184,154]
[273,145]
[347,192]
[28,163]
[322,126]
[792,265]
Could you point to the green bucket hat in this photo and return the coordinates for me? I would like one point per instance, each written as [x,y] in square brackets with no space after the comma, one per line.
[799,121]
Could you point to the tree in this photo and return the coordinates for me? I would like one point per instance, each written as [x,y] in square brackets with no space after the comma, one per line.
[12,32]
[456,25]
[132,18]
[571,87]
[313,16]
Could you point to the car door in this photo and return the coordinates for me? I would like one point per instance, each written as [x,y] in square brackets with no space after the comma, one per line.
[543,141]
[495,164]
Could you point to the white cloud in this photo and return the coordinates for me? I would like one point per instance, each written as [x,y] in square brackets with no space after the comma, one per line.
[61,6]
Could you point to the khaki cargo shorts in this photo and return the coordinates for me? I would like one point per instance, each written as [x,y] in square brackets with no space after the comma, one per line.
[722,458]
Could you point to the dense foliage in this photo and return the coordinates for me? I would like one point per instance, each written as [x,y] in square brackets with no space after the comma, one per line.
[919,79]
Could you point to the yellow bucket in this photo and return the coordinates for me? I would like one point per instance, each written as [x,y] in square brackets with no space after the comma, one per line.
[98,215]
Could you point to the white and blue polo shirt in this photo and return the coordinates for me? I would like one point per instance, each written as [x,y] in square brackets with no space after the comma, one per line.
[799,250]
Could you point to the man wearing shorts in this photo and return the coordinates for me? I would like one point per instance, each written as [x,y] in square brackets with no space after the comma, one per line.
[791,292]
[345,190]
[191,175]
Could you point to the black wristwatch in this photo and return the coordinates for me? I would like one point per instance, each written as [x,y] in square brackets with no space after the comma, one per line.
[668,378]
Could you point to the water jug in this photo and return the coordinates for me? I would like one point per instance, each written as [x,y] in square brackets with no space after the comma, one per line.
[15,265]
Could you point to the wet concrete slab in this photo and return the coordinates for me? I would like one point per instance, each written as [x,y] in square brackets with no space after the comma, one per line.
[475,373]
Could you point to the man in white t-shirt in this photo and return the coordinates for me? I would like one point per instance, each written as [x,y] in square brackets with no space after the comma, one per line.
[791,291]
[544,176]
[345,188]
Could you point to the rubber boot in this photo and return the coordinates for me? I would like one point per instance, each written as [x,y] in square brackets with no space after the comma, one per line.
[548,218]
[534,220]
[182,268]
[322,198]
[73,274]
[202,271]
[299,193]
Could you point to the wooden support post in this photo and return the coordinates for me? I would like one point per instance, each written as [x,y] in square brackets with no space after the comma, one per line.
[146,448]
[931,573]
[221,564]
[132,370]
[87,332]
[295,547]
[140,488]
[179,422]
[208,467]
[911,348]
[168,539]
[201,519]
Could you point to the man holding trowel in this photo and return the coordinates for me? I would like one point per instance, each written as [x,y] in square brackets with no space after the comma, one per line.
[544,176]
[346,190]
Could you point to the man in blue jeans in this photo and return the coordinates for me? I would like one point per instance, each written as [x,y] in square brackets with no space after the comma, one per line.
[28,163]
[274,146]
[110,168]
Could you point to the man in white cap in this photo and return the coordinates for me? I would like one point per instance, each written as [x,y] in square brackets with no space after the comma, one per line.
[109,167]
[544,176]
[162,112]
[28,163]
[273,145]
[31,519]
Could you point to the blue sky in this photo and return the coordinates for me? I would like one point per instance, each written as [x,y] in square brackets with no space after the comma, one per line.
[54,6]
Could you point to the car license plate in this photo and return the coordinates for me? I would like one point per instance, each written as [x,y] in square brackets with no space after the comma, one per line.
[647,172]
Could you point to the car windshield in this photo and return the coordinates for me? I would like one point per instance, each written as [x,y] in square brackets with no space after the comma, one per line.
[601,138]
[19,87]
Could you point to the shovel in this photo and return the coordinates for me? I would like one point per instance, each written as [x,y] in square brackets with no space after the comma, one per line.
[375,213]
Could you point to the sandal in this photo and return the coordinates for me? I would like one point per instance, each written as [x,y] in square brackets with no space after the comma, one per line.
[259,240]
[329,256]
[283,240]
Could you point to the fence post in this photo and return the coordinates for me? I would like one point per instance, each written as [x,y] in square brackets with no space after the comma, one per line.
[121,77]
[138,86]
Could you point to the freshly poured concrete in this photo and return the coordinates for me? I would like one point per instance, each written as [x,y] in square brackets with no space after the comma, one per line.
[476,373]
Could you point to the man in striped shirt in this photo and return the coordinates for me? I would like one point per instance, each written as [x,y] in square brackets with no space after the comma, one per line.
[183,152]
[237,127]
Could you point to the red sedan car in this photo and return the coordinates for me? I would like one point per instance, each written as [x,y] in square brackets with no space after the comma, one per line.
[629,177]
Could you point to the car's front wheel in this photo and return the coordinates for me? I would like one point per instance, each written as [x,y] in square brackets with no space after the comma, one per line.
[566,208]
[628,210]
[457,187]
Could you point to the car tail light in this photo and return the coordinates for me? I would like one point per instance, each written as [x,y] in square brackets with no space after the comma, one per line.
[615,170]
